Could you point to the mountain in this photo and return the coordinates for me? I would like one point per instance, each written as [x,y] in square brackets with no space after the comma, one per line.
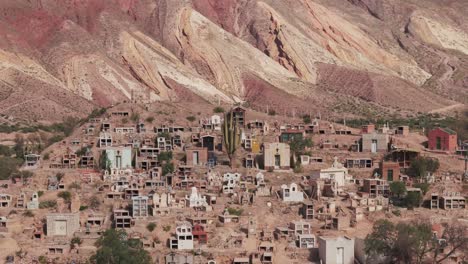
[62,58]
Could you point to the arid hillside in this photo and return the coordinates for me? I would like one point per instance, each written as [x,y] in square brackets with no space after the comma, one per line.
[62,58]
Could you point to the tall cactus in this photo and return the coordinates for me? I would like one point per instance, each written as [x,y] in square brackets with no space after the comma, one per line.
[231,135]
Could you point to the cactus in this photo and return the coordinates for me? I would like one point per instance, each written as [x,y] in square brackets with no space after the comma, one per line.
[231,135]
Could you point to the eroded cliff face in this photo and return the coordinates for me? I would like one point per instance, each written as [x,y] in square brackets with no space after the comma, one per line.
[106,52]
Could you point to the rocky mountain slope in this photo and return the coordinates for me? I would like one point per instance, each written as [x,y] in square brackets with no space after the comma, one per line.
[60,58]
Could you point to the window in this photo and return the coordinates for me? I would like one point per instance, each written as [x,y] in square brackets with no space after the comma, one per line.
[277,160]
[390,175]
[438,143]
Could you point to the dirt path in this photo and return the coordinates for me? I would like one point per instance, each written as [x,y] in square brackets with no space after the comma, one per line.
[447,108]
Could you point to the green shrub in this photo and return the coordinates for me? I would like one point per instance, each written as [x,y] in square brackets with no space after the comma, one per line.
[165,156]
[191,118]
[75,241]
[47,204]
[75,186]
[413,199]
[83,207]
[151,227]
[167,228]
[28,213]
[94,202]
[218,110]
[5,151]
[167,168]
[150,119]
[135,117]
[59,176]
[82,151]
[55,139]
[65,195]
[42,259]
[233,211]
[423,186]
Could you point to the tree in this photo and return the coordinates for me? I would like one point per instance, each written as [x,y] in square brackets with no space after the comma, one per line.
[114,247]
[423,186]
[422,165]
[400,243]
[165,158]
[382,238]
[19,147]
[398,188]
[8,167]
[413,199]
[5,151]
[167,168]
[69,125]
[298,145]
[455,238]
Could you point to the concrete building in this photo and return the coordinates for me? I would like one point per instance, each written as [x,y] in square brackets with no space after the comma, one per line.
[140,206]
[452,202]
[230,181]
[366,129]
[196,156]
[376,187]
[277,156]
[291,193]
[183,239]
[195,199]
[336,250]
[119,157]
[402,131]
[238,114]
[34,202]
[289,135]
[64,225]
[306,241]
[308,210]
[105,140]
[175,258]
[122,219]
[31,160]
[337,172]
[442,139]
[359,163]
[375,142]
[5,200]
[390,171]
